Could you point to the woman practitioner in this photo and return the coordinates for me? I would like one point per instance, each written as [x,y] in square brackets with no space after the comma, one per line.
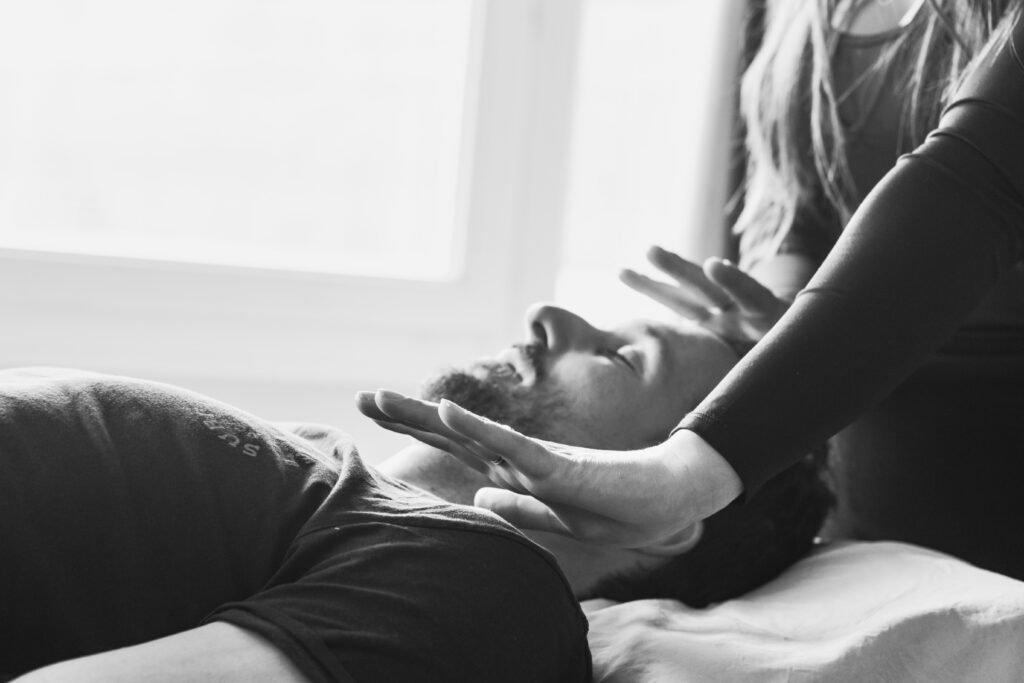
[940,232]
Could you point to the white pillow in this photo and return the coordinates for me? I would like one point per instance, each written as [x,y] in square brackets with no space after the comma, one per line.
[848,612]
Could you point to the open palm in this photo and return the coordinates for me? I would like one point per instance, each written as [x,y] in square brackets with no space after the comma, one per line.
[622,498]
[718,295]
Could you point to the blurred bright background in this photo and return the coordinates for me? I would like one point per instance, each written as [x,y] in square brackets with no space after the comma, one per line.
[278,202]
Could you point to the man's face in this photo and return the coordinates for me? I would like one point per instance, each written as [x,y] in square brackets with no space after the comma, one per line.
[570,382]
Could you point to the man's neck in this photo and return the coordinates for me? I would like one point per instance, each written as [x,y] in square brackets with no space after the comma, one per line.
[435,471]
[441,474]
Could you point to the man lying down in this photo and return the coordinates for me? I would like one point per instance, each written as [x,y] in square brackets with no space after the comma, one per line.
[150,533]
[623,389]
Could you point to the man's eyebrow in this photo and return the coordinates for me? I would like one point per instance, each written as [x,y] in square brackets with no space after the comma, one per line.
[661,344]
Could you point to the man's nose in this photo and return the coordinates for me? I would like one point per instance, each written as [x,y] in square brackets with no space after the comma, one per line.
[560,330]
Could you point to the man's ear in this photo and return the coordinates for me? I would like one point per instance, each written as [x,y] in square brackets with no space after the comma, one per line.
[678,543]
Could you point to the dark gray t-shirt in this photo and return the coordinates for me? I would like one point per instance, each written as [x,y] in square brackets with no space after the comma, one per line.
[131,510]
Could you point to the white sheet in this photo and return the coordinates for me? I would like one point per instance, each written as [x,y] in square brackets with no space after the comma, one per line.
[849,612]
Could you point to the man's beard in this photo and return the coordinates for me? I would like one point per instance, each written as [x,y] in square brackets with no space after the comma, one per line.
[491,390]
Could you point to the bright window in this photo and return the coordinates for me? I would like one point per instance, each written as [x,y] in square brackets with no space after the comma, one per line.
[321,135]
[345,193]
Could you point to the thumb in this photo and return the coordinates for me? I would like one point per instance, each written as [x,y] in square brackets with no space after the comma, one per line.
[522,511]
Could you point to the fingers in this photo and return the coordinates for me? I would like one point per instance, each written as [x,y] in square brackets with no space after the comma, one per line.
[496,442]
[366,405]
[527,512]
[418,419]
[410,411]
[428,438]
[692,294]
[666,294]
[689,275]
[750,296]
[522,511]
[488,442]
[505,456]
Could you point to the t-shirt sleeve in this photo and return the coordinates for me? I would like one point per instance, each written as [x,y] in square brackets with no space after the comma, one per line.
[926,245]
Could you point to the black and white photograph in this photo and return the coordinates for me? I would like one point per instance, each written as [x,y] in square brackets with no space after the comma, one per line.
[511,341]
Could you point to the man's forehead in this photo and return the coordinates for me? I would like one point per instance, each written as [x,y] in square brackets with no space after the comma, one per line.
[660,329]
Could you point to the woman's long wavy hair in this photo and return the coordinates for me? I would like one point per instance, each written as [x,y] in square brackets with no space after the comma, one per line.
[796,167]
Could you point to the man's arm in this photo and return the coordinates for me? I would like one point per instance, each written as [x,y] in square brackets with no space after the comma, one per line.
[215,652]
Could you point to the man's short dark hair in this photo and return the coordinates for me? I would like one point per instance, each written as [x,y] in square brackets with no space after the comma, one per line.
[743,546]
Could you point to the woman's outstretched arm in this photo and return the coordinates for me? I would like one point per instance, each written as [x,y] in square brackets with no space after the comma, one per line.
[917,257]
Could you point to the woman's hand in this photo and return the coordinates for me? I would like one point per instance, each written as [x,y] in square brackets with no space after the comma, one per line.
[719,296]
[648,498]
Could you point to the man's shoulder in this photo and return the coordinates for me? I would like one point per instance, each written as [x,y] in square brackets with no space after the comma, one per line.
[363,493]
